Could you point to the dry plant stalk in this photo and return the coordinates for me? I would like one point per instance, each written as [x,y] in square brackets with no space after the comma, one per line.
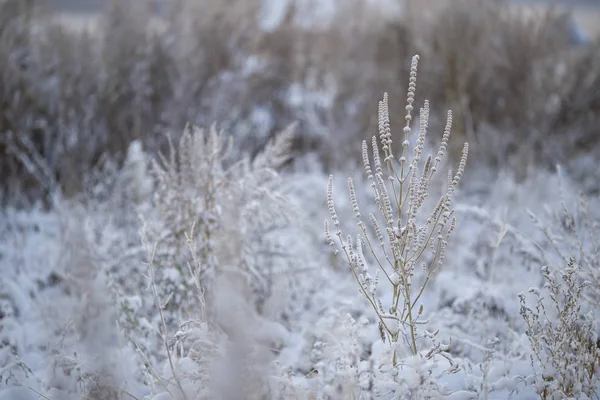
[410,238]
[565,355]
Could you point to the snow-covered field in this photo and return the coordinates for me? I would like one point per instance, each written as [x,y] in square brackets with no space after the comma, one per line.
[206,274]
[285,318]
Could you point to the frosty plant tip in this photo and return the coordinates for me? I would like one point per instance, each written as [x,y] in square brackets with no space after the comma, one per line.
[403,236]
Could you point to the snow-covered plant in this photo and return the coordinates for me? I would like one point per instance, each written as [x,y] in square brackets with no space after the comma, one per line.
[217,236]
[233,207]
[564,350]
[336,356]
[410,239]
[187,185]
[573,230]
[190,351]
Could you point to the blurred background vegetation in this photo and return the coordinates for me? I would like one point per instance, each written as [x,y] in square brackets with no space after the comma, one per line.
[80,80]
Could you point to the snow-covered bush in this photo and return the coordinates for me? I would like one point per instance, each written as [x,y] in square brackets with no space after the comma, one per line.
[563,331]
[221,244]
[571,233]
[564,343]
[411,239]
[230,212]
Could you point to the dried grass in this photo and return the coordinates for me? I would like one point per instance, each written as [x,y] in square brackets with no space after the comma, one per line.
[521,92]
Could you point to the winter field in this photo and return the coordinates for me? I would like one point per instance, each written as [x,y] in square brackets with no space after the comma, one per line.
[247,200]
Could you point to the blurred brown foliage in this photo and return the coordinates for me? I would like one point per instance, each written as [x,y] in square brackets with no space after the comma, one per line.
[522,93]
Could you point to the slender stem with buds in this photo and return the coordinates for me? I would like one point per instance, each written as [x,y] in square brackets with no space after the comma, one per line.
[410,236]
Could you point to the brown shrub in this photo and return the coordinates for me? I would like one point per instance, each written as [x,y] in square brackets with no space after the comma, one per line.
[519,90]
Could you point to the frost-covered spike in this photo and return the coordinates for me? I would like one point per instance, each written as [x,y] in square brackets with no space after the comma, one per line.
[353,199]
[328,234]
[331,205]
[349,247]
[377,228]
[461,165]
[376,158]
[366,161]
[362,263]
[386,202]
[444,143]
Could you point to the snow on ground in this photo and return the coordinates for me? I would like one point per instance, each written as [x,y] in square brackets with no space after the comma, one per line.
[472,301]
